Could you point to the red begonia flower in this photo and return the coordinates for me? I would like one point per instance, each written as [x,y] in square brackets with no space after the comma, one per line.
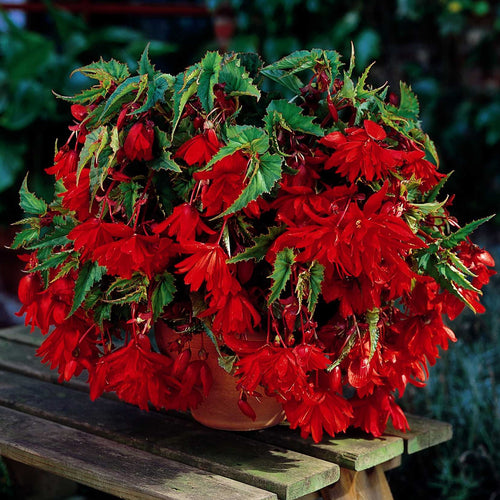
[139,142]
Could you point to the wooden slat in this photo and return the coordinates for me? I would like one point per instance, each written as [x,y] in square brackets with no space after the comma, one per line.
[22,334]
[369,484]
[110,467]
[21,358]
[284,472]
[352,451]
[423,433]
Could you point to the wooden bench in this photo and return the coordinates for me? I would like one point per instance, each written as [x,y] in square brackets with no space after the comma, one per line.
[119,449]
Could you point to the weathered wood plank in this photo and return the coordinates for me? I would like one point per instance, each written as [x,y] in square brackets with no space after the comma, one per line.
[423,433]
[21,358]
[284,472]
[108,466]
[369,484]
[22,334]
[354,450]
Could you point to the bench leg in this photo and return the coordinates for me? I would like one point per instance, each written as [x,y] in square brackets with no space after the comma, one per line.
[35,484]
[370,484]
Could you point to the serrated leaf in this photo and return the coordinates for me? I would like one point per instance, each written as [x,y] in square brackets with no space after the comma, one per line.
[105,71]
[360,85]
[127,291]
[165,162]
[93,142]
[316,275]
[291,82]
[372,318]
[262,244]
[53,238]
[54,260]
[282,270]
[299,60]
[446,278]
[89,274]
[163,294]
[455,276]
[87,96]
[292,116]
[434,192]
[25,237]
[29,202]
[156,91]
[125,92]
[227,362]
[345,351]
[237,80]
[408,104]
[264,172]
[210,69]
[184,89]
[246,138]
[130,195]
[145,67]
[457,237]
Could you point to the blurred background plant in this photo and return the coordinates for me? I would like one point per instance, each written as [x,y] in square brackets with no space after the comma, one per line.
[448,50]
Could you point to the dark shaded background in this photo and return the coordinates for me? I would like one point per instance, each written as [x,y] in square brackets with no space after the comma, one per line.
[448,50]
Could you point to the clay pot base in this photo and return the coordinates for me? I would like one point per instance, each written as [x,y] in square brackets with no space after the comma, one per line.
[220,409]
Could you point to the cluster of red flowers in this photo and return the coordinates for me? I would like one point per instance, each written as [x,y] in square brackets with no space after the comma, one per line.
[317,254]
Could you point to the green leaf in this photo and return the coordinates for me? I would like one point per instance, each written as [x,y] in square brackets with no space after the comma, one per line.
[25,237]
[125,92]
[408,104]
[145,67]
[290,116]
[345,351]
[299,60]
[94,142]
[163,294]
[90,273]
[156,90]
[210,68]
[264,172]
[127,291]
[54,260]
[237,80]
[316,275]
[262,244]
[433,194]
[372,318]
[291,82]
[105,71]
[86,96]
[55,236]
[227,362]
[130,195]
[185,86]
[246,138]
[29,202]
[457,237]
[282,270]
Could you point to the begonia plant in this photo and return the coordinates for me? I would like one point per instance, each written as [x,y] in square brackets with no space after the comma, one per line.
[289,213]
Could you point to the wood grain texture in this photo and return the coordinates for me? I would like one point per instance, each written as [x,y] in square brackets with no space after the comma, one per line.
[369,484]
[284,472]
[110,467]
[22,334]
[423,433]
[354,450]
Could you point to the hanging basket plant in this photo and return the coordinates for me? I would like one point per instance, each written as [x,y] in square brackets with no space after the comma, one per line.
[288,214]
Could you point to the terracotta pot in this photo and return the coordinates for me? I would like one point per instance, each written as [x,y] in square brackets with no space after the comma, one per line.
[220,409]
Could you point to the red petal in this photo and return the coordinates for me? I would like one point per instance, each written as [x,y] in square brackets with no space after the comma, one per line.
[374,130]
